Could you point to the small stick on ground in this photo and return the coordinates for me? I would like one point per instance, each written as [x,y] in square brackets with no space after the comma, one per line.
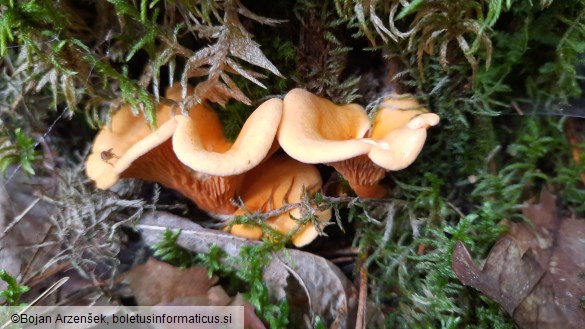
[342,260]
[362,298]
[17,219]
[329,254]
[517,108]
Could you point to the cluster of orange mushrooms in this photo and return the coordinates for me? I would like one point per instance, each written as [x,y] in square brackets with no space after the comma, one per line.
[190,154]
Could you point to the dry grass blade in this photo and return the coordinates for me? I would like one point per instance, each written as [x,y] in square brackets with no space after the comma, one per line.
[18,218]
[86,223]
[363,295]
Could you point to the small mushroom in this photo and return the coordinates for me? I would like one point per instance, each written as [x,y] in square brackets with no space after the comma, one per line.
[211,172]
[274,184]
[315,130]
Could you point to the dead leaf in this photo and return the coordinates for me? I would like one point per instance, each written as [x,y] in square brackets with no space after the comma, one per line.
[158,283]
[536,270]
[155,283]
[326,290]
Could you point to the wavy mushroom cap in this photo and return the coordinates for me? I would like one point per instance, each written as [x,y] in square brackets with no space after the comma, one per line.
[274,184]
[399,132]
[394,112]
[119,144]
[200,144]
[315,130]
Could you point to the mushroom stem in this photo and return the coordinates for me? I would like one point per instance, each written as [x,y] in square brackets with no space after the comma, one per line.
[363,176]
[375,191]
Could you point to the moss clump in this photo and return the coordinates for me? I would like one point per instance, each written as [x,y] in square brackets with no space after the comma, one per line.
[479,64]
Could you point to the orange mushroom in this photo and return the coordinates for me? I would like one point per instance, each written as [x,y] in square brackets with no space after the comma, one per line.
[315,130]
[190,154]
[210,178]
[274,184]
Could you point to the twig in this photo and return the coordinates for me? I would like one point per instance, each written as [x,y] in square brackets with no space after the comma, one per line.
[457,210]
[19,217]
[353,200]
[350,251]
[516,107]
[363,294]
[327,201]
[36,253]
[342,260]
[38,278]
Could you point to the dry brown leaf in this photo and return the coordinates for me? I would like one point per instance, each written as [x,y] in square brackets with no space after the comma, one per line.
[536,271]
[158,283]
[315,283]
[155,283]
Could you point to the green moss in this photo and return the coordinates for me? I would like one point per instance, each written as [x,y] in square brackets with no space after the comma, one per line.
[11,295]
[18,151]
[244,273]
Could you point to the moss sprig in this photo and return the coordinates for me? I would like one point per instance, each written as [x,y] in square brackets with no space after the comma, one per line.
[20,151]
[117,57]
